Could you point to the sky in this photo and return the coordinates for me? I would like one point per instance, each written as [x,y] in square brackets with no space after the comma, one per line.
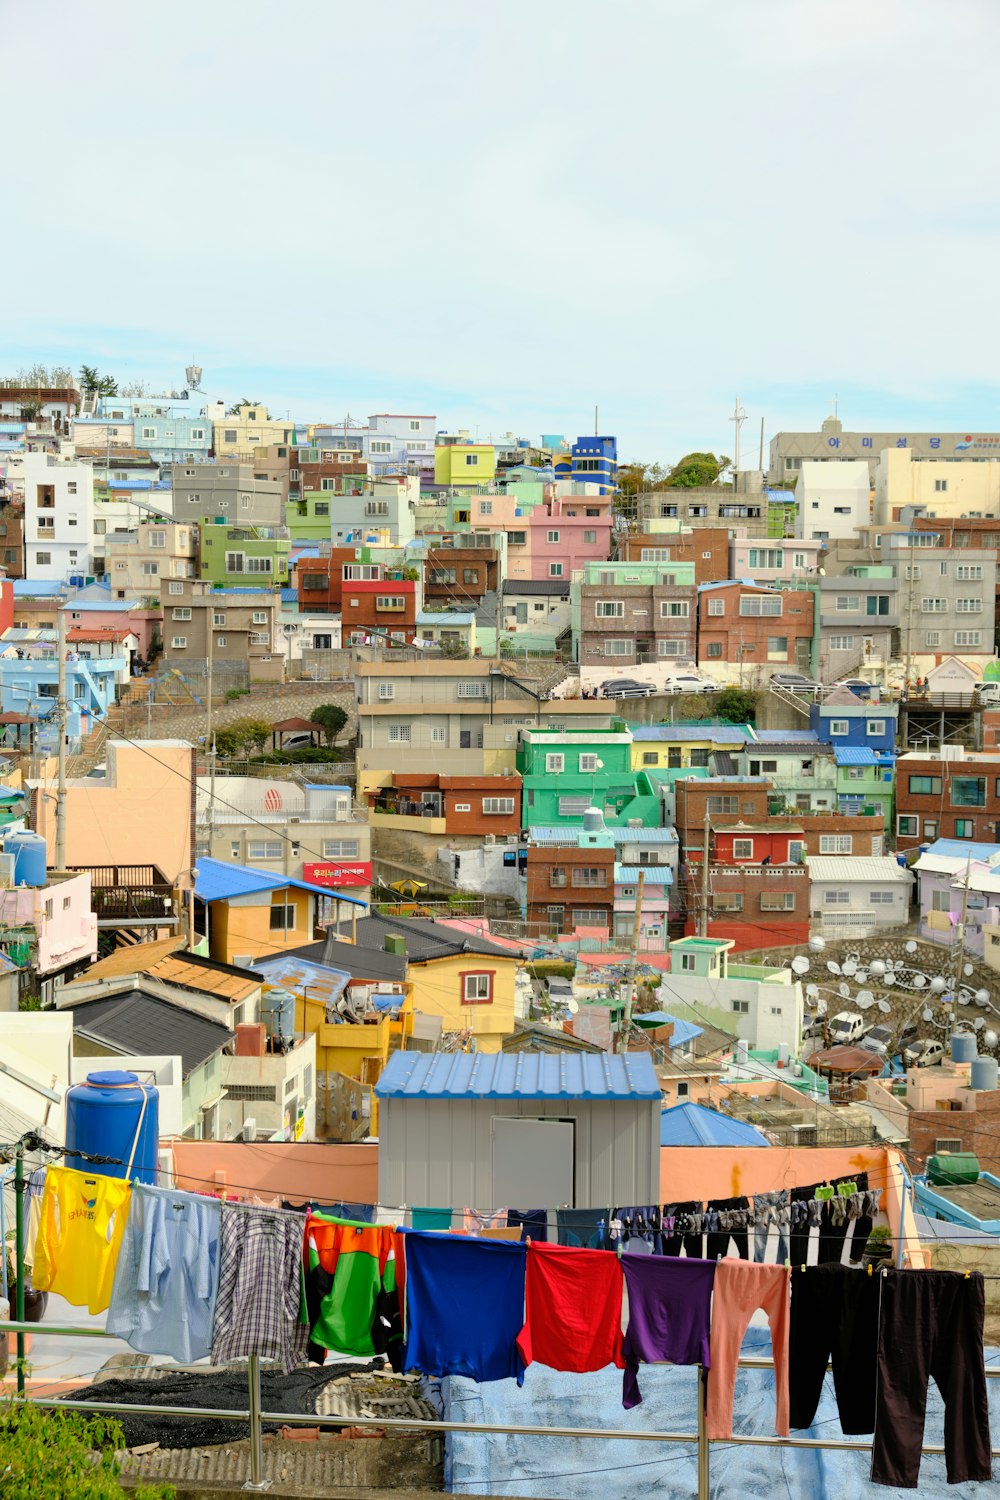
[508,213]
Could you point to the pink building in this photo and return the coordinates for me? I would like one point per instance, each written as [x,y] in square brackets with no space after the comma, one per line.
[65,927]
[559,536]
[771,559]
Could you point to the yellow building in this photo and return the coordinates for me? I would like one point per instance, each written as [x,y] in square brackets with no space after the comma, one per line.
[240,433]
[654,749]
[465,463]
[251,913]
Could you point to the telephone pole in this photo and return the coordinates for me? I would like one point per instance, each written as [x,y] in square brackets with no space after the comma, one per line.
[61,716]
[626,1026]
[703,908]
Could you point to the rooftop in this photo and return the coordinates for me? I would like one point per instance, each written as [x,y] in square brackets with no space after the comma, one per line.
[216,880]
[520,1075]
[691,1124]
[136,1022]
[870,869]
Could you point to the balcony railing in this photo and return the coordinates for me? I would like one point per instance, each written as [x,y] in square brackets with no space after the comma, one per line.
[122,894]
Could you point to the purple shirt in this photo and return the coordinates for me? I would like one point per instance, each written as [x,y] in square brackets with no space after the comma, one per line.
[669,1315]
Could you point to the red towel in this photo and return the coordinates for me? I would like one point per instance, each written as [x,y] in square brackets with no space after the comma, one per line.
[573,1308]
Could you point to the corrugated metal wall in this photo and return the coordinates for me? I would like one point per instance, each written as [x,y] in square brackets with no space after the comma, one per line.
[439,1152]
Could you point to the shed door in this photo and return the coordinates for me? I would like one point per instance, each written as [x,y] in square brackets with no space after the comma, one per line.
[533,1163]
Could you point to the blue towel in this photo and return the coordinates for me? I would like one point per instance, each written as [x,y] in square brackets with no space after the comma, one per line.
[464,1305]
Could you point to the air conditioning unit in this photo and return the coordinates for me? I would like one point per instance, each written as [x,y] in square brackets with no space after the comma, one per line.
[250,1129]
[489,838]
[165,1167]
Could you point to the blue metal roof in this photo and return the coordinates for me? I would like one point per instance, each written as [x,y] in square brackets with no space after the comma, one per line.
[215,880]
[520,1075]
[961,849]
[37,588]
[853,755]
[289,596]
[691,1124]
[683,1032]
[655,874]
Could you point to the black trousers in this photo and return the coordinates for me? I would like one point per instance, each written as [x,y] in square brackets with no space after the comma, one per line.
[692,1243]
[834,1317]
[798,1239]
[718,1242]
[931,1324]
[862,1226]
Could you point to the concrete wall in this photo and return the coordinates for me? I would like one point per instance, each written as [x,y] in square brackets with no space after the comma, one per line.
[300,1171]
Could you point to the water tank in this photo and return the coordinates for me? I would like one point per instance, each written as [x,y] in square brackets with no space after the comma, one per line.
[784,1052]
[593,822]
[983,1073]
[277,1011]
[963,1047]
[30,856]
[740,1051]
[106,1116]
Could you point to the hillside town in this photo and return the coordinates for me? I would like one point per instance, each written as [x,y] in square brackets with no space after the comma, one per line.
[458,838]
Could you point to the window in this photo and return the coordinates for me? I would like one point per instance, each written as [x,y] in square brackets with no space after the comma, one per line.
[674,609]
[588,763]
[361,572]
[379,445]
[194,499]
[650,758]
[282,917]
[552,536]
[777,901]
[150,569]
[940,485]
[848,603]
[925,786]
[930,606]
[340,848]
[470,575]
[322,508]
[876,726]
[715,648]
[618,648]
[264,849]
[766,557]
[220,640]
[175,588]
[252,1093]
[968,791]
[719,805]
[414,424]
[609,609]
[386,690]
[472,459]
[741,1007]
[968,637]
[877,604]
[499,807]
[969,572]
[590,538]
[259,617]
[760,604]
[668,647]
[965,828]
[156,538]
[717,606]
[477,988]
[229,435]
[837,898]
[777,648]
[178,642]
[699,758]
[486,507]
[835,843]
[472,690]
[930,832]
[197,434]
[399,734]
[841,643]
[880,898]
[573,807]
[968,606]
[743,848]
[554,764]
[912,571]
[839,726]
[149,432]
[555,570]
[438,735]
[907,825]
[180,612]
[43,558]
[218,618]
[932,638]
[728,901]
[394,602]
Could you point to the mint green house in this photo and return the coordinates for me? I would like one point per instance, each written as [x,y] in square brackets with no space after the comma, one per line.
[865,779]
[565,771]
[804,773]
[308,516]
[231,556]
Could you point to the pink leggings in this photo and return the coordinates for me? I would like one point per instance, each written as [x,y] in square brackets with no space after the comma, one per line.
[741,1287]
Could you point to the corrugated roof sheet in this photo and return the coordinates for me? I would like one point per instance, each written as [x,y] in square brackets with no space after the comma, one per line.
[853,755]
[691,1124]
[655,874]
[874,868]
[683,1032]
[520,1075]
[215,880]
[712,734]
[787,737]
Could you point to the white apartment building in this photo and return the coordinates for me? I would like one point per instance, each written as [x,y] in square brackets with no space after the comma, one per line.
[58,517]
[833,499]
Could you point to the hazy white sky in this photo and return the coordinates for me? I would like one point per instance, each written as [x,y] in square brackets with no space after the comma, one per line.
[506,212]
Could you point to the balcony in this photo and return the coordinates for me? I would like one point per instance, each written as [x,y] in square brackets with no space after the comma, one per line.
[131,896]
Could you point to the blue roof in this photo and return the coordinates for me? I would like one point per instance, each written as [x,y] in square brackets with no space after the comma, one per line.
[445,617]
[787,737]
[655,874]
[104,606]
[216,880]
[726,583]
[519,1075]
[720,734]
[691,1124]
[683,1032]
[37,588]
[289,596]
[961,849]
[853,755]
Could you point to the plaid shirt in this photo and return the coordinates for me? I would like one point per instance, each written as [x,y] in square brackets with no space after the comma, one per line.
[257,1307]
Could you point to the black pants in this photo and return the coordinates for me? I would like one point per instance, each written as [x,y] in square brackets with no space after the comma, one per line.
[931,1324]
[832,1235]
[834,1317]
[718,1242]
[798,1239]
[692,1242]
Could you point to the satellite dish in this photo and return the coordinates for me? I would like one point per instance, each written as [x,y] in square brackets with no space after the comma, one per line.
[939,984]
[800,964]
[978,1023]
[812,991]
[990,1038]
[968,970]
[849,966]
[927,1014]
[862,1004]
[911,946]
[817,944]
[884,1006]
[833,966]
[889,979]
[572,1006]
[919,980]
[982,997]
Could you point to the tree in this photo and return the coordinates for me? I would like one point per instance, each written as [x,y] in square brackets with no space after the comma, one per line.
[93,383]
[332,718]
[635,478]
[242,735]
[735,705]
[697,471]
[235,410]
[65,1453]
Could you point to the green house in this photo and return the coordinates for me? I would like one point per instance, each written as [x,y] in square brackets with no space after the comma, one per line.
[565,771]
[309,516]
[231,556]
[865,779]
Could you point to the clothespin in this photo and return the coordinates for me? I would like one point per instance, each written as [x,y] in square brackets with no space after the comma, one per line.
[869,1268]
[968,1275]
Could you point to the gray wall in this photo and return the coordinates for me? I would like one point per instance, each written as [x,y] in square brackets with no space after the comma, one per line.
[439,1152]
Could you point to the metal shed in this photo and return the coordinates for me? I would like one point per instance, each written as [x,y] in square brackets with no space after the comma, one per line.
[522,1130]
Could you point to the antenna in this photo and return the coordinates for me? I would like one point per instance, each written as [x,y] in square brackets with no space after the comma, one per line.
[738,417]
[192,375]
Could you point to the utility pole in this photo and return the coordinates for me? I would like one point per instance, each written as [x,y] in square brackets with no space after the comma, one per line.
[626,1026]
[596,428]
[703,909]
[61,716]
[738,417]
[760,462]
[209,735]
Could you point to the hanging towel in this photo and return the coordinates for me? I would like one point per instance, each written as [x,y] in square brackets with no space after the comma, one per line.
[431,1218]
[258,1302]
[464,1305]
[474,1221]
[80,1230]
[167,1277]
[669,1315]
[583,1226]
[350,1284]
[573,1309]
[533,1222]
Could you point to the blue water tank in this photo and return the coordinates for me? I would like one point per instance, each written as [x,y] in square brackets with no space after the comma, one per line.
[963,1047]
[277,1011]
[983,1073]
[30,853]
[104,1117]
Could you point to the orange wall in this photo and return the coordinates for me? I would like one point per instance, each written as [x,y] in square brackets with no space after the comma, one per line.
[300,1172]
[703,1172]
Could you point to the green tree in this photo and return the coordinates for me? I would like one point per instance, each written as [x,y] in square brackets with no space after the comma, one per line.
[239,405]
[697,471]
[242,736]
[735,705]
[93,383]
[331,717]
[635,478]
[67,1454]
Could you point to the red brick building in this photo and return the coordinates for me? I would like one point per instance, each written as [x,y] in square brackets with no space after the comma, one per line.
[319,580]
[757,629]
[461,573]
[947,799]
[469,804]
[735,799]
[571,887]
[707,548]
[387,606]
[758,885]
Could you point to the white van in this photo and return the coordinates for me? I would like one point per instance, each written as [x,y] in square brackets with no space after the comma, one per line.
[988,693]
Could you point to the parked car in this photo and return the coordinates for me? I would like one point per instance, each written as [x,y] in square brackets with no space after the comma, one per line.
[924,1053]
[847,1028]
[795,682]
[857,686]
[879,1038]
[626,687]
[988,692]
[690,682]
[812,1027]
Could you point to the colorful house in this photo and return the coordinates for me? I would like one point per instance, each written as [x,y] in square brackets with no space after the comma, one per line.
[684,746]
[864,779]
[844,719]
[240,555]
[464,464]
[565,772]
[247,914]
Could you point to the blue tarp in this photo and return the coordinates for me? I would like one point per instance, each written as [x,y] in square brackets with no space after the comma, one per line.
[691,1124]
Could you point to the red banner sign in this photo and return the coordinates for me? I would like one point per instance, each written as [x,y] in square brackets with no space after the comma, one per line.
[337,874]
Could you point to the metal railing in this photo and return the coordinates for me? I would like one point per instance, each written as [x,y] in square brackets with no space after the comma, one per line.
[256,1417]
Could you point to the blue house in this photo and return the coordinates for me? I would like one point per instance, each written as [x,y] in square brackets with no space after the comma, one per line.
[844,721]
[29,689]
[170,431]
[591,460]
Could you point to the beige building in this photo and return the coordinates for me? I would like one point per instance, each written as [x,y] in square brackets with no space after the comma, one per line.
[938,487]
[273,463]
[137,561]
[239,434]
[226,492]
[200,622]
